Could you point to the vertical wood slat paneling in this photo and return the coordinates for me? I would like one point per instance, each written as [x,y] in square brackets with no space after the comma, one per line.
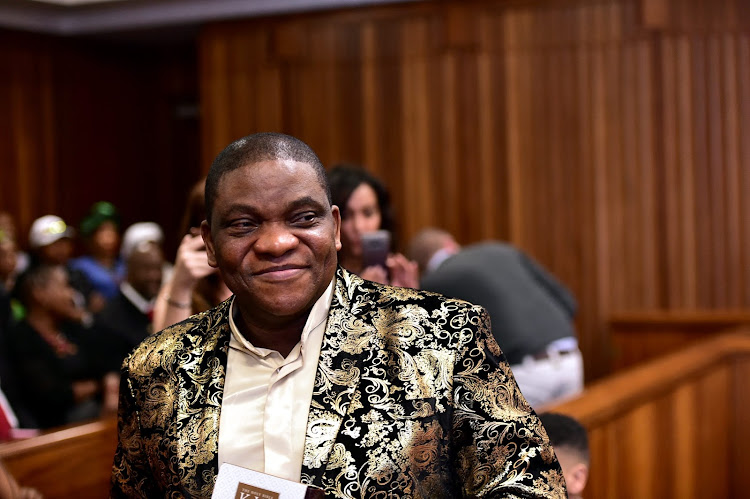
[79,126]
[744,142]
[607,140]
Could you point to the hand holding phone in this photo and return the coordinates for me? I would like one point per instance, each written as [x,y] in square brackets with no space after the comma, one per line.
[375,248]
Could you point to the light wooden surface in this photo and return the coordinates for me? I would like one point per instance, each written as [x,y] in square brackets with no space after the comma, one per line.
[71,462]
[676,427]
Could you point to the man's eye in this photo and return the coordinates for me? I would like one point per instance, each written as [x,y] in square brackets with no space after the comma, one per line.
[242,224]
[305,219]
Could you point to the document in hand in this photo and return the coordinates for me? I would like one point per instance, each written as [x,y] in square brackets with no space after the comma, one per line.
[235,482]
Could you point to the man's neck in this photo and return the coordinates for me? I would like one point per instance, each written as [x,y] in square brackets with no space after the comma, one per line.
[282,337]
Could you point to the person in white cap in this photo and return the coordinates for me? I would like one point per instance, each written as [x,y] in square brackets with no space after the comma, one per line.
[51,240]
[139,233]
[51,243]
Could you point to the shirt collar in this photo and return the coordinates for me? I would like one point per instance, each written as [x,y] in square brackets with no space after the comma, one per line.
[318,314]
[135,298]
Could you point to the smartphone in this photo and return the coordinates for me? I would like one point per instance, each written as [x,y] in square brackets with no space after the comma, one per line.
[375,247]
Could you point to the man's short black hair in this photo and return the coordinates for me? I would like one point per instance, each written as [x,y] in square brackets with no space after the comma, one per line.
[259,147]
[566,431]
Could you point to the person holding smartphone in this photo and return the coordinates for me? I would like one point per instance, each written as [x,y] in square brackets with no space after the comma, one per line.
[367,226]
[194,285]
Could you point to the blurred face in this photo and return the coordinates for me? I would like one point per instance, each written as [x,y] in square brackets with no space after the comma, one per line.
[145,270]
[8,258]
[361,215]
[106,239]
[56,296]
[57,253]
[274,237]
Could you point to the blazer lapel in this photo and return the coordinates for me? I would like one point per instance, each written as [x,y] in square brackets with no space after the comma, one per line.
[337,378]
[201,387]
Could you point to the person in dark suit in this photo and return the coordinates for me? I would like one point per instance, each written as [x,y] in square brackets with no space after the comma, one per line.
[531,311]
[126,319]
[312,374]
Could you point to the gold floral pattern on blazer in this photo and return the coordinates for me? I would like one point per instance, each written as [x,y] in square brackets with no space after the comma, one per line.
[412,399]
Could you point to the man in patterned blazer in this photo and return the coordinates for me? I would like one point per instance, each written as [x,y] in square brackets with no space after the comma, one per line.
[312,374]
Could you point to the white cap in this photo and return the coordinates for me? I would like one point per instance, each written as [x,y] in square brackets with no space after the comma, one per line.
[138,233]
[48,229]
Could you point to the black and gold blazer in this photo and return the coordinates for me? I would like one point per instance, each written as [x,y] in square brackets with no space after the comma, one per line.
[412,399]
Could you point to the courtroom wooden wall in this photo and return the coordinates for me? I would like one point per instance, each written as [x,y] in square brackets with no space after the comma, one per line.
[84,121]
[607,138]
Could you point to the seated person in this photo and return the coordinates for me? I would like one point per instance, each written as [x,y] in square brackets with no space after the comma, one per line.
[571,444]
[8,229]
[8,259]
[102,267]
[126,320]
[60,361]
[51,243]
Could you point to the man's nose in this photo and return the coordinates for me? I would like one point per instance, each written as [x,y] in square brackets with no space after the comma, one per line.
[275,239]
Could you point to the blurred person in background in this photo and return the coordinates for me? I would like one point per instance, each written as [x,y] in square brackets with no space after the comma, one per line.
[8,228]
[570,442]
[126,319]
[8,261]
[531,312]
[51,243]
[194,286]
[365,208]
[102,266]
[60,363]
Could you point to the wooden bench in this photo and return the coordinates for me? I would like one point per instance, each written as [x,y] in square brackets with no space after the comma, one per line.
[73,462]
[675,427]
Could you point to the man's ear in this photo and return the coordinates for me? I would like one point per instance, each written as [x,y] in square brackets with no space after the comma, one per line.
[337,224]
[209,242]
[576,482]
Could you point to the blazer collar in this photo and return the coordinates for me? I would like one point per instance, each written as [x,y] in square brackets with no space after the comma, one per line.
[337,380]
[201,387]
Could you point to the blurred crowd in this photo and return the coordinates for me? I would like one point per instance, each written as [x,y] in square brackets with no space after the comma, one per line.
[67,322]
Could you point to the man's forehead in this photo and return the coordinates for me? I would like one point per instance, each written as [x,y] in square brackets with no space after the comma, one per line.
[267,167]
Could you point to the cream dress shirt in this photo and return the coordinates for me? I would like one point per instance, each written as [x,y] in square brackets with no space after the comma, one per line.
[267,398]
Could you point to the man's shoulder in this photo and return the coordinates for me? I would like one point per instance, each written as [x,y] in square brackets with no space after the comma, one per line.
[384,296]
[198,333]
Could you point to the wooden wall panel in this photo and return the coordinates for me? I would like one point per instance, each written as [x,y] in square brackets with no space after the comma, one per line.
[87,122]
[27,153]
[606,138]
[647,335]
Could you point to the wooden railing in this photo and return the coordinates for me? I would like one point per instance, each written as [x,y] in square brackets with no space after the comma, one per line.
[74,462]
[675,427]
[638,336]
